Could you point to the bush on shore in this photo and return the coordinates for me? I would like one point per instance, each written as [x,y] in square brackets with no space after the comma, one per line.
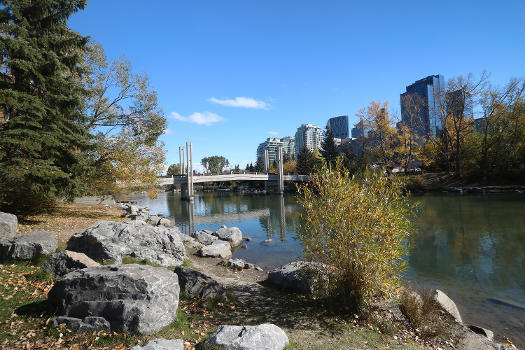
[357,226]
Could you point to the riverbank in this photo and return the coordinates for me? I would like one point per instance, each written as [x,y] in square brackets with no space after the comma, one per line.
[309,323]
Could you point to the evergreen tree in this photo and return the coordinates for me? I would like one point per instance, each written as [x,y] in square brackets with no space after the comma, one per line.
[42,134]
[305,162]
[259,166]
[350,161]
[328,147]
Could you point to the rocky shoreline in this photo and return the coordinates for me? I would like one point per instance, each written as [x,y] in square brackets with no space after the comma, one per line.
[142,297]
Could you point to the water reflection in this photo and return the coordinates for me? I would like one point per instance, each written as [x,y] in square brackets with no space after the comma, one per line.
[469,246]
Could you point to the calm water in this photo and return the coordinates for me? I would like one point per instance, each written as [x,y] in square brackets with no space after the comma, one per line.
[471,247]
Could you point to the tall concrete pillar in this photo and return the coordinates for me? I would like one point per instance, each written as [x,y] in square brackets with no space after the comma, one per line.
[280,186]
[266,168]
[187,187]
[266,162]
[191,172]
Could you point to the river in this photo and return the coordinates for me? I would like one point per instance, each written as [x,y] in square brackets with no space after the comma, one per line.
[471,247]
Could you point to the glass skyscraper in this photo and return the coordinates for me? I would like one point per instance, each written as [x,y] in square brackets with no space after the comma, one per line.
[339,126]
[423,104]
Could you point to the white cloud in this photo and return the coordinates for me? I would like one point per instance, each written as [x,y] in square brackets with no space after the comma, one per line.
[271,132]
[245,102]
[168,131]
[204,118]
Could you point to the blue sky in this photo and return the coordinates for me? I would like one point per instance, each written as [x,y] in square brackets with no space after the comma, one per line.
[229,74]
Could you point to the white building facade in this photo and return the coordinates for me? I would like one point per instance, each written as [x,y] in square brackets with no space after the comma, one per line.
[309,136]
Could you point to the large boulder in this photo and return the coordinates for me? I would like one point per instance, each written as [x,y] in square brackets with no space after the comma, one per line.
[66,261]
[297,276]
[131,298]
[161,344]
[87,325]
[110,241]
[28,246]
[8,225]
[205,237]
[447,304]
[266,336]
[231,234]
[197,284]
[217,249]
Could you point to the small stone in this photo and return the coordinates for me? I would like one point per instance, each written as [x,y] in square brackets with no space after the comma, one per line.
[161,344]
[266,336]
[267,240]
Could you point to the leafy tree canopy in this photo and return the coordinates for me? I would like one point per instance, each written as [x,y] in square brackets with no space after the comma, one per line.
[214,164]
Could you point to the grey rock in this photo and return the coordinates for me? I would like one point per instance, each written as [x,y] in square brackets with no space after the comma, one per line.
[258,268]
[8,225]
[447,304]
[232,235]
[205,238]
[193,244]
[161,344]
[266,336]
[132,298]
[110,241]
[189,241]
[105,200]
[66,261]
[197,284]
[217,249]
[482,331]
[165,222]
[88,324]
[296,276]
[474,341]
[153,220]
[28,246]
[236,264]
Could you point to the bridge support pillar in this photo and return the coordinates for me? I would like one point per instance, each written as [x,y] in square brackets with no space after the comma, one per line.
[280,185]
[266,168]
[187,188]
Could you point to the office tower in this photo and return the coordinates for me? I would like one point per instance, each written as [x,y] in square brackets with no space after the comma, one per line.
[339,126]
[361,129]
[423,104]
[309,136]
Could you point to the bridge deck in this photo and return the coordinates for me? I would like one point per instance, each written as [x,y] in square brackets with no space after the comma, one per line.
[230,177]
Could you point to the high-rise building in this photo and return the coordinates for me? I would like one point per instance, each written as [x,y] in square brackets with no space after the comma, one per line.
[309,136]
[272,145]
[422,105]
[339,126]
[288,147]
[361,129]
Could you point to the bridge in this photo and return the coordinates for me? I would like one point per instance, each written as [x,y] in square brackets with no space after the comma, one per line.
[187,178]
[182,179]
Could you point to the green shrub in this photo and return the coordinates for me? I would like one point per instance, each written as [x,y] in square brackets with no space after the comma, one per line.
[358,228]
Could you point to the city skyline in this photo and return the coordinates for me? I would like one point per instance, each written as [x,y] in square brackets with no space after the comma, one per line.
[231,75]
